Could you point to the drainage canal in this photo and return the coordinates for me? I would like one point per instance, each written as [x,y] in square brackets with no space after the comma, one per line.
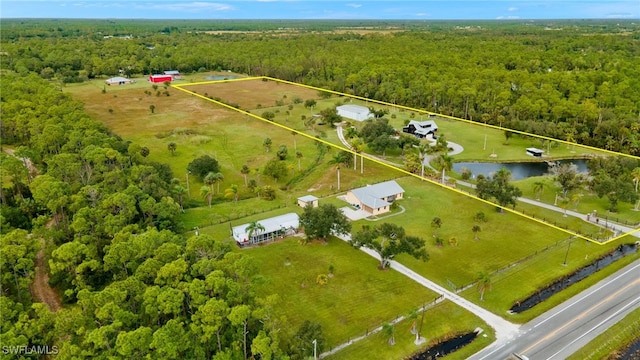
[542,295]
[446,347]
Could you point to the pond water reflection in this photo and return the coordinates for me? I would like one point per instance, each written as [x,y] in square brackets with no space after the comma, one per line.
[519,170]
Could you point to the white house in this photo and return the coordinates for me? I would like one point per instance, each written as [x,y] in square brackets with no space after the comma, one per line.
[354,112]
[376,199]
[275,227]
[118,80]
[421,129]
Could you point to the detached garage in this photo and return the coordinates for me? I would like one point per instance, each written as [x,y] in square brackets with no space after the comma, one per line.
[354,112]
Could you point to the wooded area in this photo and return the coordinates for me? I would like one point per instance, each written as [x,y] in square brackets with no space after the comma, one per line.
[569,80]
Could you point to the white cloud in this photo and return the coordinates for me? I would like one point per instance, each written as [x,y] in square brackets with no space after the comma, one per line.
[513,8]
[513,17]
[355,6]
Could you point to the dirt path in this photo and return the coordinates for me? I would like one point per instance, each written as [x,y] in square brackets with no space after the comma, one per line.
[40,289]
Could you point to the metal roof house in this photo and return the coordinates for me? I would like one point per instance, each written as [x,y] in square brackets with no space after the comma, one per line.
[354,112]
[118,80]
[421,129]
[175,74]
[376,199]
[274,228]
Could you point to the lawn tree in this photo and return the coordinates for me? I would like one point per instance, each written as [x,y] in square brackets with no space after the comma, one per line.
[538,188]
[232,193]
[389,240]
[480,217]
[323,221]
[245,171]
[203,166]
[498,188]
[206,194]
[388,331]
[330,116]
[436,223]
[276,169]
[476,229]
[268,193]
[507,135]
[267,144]
[310,104]
[282,152]
[566,175]
[299,157]
[483,283]
[172,146]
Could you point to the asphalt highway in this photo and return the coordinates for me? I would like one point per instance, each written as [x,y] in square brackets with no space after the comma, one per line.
[566,328]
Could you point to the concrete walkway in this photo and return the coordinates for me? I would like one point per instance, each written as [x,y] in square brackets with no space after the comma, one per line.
[505,330]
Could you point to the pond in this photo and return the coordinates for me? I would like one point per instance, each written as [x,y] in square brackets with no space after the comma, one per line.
[519,170]
[220,77]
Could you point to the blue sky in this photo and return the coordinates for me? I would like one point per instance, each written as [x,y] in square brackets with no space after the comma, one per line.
[321,9]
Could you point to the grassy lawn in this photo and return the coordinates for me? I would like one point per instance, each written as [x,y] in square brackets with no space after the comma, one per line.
[438,325]
[358,298]
[611,341]
[586,203]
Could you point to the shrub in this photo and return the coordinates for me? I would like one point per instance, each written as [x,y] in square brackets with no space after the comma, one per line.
[203,165]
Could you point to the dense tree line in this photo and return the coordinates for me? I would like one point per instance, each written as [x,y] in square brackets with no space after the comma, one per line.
[132,287]
[572,81]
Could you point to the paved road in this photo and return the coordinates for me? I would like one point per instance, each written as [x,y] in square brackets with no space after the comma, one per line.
[505,330]
[566,328]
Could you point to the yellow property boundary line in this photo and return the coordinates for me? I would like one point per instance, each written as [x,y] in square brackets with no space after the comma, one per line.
[571,233]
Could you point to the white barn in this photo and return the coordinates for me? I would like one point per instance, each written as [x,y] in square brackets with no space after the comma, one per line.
[354,112]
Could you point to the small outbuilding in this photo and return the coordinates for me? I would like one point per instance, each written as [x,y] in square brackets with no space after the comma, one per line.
[160,78]
[118,80]
[308,200]
[375,199]
[354,112]
[175,74]
[271,229]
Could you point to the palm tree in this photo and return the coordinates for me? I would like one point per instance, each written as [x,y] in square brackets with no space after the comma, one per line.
[357,145]
[476,229]
[299,157]
[218,179]
[453,241]
[635,174]
[538,188]
[179,190]
[172,147]
[436,223]
[232,193]
[206,193]
[295,145]
[446,163]
[210,179]
[245,171]
[413,316]
[388,332]
[338,172]
[484,283]
[253,227]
